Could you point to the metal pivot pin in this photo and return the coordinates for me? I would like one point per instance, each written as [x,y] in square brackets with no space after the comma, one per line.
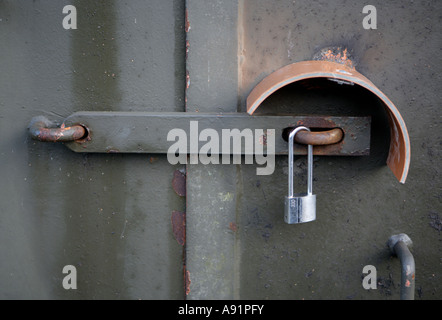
[300,207]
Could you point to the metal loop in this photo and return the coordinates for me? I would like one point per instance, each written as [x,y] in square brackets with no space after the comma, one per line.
[320,138]
[42,129]
[309,160]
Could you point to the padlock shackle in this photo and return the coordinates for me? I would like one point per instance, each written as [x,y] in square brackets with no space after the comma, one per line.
[309,160]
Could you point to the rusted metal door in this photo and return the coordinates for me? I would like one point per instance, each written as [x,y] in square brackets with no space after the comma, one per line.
[135,226]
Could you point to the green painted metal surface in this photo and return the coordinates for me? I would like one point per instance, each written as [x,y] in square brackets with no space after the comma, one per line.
[359,203]
[107,215]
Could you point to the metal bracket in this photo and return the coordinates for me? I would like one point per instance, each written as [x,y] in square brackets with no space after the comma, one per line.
[147,132]
[399,155]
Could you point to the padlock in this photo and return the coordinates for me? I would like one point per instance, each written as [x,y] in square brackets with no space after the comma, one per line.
[300,207]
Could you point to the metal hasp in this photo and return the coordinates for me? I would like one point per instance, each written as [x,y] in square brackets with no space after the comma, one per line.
[399,245]
[300,207]
[399,154]
[148,132]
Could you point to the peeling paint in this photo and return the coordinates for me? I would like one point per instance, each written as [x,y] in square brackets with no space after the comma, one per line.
[335,54]
[179,183]
[187,281]
[179,226]
[187,23]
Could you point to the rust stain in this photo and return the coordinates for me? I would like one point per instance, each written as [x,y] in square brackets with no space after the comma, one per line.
[263,140]
[187,79]
[187,23]
[43,129]
[323,137]
[179,183]
[186,281]
[85,139]
[233,226]
[58,134]
[335,54]
[48,135]
[320,138]
[179,226]
[187,86]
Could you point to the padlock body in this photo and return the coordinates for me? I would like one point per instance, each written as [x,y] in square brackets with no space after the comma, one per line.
[300,208]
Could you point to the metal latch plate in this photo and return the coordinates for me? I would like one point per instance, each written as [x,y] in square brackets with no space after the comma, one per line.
[146,132]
